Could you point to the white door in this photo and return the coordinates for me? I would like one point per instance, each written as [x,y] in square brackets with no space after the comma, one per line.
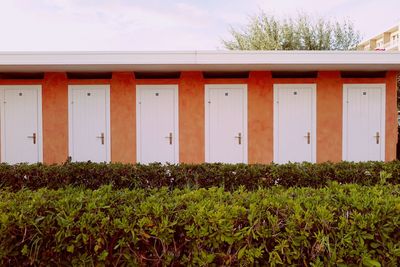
[89,123]
[363,122]
[157,123]
[21,124]
[294,123]
[226,123]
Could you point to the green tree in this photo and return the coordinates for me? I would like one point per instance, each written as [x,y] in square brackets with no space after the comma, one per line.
[264,32]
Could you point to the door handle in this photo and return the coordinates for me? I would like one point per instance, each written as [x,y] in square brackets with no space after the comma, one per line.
[308,136]
[101,137]
[169,138]
[239,137]
[377,137]
[33,136]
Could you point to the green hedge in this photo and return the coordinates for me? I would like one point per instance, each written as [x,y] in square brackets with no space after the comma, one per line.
[92,175]
[336,225]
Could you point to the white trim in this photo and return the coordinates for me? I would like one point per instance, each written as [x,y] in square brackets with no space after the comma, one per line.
[207,88]
[139,88]
[346,87]
[313,87]
[199,60]
[106,87]
[39,118]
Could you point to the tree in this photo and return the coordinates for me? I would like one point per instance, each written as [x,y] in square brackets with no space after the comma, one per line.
[264,32]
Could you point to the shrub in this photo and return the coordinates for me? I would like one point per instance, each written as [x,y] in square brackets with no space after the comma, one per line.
[92,175]
[337,225]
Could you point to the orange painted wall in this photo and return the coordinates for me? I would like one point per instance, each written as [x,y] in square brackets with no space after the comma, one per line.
[191,117]
[88,81]
[391,116]
[21,82]
[260,117]
[55,118]
[123,117]
[157,81]
[294,80]
[329,116]
[226,81]
[191,114]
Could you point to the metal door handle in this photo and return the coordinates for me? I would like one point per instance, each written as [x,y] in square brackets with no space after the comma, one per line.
[33,136]
[170,138]
[377,136]
[239,137]
[308,136]
[101,137]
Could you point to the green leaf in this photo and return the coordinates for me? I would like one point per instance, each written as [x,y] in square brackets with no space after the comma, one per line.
[371,263]
[24,250]
[241,252]
[103,255]
[70,248]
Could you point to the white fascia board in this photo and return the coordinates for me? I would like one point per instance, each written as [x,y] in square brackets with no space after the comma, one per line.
[205,60]
[299,57]
[101,58]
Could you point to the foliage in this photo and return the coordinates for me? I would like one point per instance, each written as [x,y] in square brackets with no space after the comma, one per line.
[231,177]
[265,32]
[336,225]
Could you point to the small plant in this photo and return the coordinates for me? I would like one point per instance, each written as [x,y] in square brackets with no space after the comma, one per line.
[384,176]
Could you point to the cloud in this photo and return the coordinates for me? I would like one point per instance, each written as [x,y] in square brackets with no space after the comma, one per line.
[103,25]
[158,24]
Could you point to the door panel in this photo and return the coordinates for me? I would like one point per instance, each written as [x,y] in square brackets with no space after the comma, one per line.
[21,133]
[226,124]
[294,123]
[363,130]
[89,133]
[157,124]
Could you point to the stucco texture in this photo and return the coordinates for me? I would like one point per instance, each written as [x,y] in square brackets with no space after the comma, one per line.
[191,114]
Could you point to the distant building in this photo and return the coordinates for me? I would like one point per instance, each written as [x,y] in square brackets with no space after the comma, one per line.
[386,41]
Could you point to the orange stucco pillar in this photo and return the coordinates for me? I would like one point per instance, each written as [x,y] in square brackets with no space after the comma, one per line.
[55,118]
[123,117]
[191,117]
[391,115]
[329,116]
[260,117]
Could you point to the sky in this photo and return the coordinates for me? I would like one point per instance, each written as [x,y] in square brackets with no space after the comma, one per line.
[130,25]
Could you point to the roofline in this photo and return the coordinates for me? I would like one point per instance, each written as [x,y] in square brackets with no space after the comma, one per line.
[222,51]
[141,60]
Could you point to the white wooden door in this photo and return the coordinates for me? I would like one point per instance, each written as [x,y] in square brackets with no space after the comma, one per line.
[157,124]
[226,123]
[21,124]
[89,123]
[294,123]
[364,122]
